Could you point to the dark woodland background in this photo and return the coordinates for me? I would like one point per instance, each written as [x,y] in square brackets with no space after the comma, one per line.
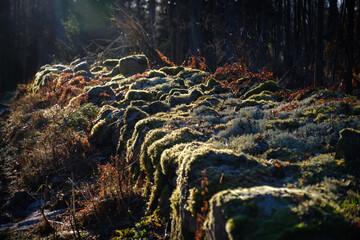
[303,42]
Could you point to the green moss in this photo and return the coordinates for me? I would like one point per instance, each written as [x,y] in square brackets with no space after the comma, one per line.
[187,72]
[43,77]
[181,135]
[155,152]
[253,102]
[222,168]
[267,86]
[286,124]
[97,129]
[132,95]
[277,215]
[265,96]
[171,71]
[145,161]
[155,73]
[138,136]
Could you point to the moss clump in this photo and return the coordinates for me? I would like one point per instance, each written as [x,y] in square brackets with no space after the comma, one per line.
[185,98]
[155,73]
[252,102]
[222,168]
[43,77]
[171,71]
[272,213]
[155,151]
[265,96]
[132,95]
[286,124]
[97,132]
[145,161]
[267,86]
[138,136]
[188,72]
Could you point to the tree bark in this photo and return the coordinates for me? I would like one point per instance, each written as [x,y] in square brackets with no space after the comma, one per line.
[152,13]
[318,73]
[350,46]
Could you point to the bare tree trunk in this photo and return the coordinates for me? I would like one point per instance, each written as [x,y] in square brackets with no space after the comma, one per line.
[350,46]
[152,7]
[318,73]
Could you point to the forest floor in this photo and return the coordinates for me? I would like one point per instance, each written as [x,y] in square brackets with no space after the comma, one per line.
[90,150]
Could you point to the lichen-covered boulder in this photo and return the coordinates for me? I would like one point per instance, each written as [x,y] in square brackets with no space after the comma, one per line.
[184,98]
[265,95]
[273,213]
[171,71]
[133,64]
[131,116]
[155,73]
[132,95]
[141,128]
[270,86]
[220,168]
[349,145]
[188,72]
[283,124]
[104,127]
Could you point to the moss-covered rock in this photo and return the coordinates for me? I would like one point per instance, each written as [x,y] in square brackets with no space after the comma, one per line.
[221,169]
[349,145]
[273,213]
[188,72]
[44,77]
[283,124]
[264,95]
[155,73]
[104,131]
[141,128]
[133,64]
[267,86]
[132,95]
[171,71]
[184,98]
